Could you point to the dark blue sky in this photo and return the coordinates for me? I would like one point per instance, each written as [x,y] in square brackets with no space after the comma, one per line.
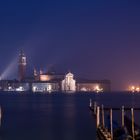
[95,39]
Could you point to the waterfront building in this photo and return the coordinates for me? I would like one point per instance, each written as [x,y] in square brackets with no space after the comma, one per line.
[51,86]
[47,81]
[69,84]
[85,85]
[14,85]
[47,76]
[22,66]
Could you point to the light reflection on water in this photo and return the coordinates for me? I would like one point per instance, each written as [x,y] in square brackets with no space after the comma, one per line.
[56,116]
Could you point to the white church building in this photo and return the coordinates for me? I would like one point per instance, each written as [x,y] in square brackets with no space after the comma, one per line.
[69,84]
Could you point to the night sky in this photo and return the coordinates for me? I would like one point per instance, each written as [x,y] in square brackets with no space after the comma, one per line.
[93,39]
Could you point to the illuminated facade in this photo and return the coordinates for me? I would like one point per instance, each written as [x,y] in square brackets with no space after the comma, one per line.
[69,84]
[47,76]
[14,85]
[45,86]
[93,86]
[22,66]
[46,81]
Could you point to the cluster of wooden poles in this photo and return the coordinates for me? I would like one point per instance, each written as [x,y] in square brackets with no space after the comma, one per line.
[109,135]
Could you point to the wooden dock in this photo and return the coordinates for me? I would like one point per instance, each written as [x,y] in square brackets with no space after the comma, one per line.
[126,108]
[103,134]
[117,109]
[128,130]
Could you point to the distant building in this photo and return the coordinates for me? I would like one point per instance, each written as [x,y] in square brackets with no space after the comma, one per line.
[14,85]
[47,76]
[93,85]
[69,84]
[22,66]
[51,86]
[47,81]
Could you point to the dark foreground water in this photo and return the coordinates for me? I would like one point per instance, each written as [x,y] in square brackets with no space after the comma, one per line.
[56,116]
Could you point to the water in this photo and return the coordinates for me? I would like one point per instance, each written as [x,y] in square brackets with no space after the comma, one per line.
[55,116]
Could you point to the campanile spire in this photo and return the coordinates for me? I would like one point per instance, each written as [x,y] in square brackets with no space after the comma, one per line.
[22,66]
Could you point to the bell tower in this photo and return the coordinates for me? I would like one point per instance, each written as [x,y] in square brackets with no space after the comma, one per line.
[22,66]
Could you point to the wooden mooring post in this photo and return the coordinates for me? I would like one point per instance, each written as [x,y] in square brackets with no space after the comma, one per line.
[122,116]
[111,124]
[98,117]
[90,103]
[103,133]
[103,119]
[95,108]
[133,122]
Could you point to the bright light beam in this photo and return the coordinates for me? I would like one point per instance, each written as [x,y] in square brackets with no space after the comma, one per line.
[10,69]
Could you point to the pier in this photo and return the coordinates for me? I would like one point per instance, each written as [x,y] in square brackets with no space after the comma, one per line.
[126,108]
[128,130]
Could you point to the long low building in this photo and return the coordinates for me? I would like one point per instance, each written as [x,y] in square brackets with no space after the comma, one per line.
[93,85]
[51,86]
[64,83]
[14,85]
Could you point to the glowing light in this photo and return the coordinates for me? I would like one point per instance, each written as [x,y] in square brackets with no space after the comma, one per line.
[45,78]
[138,89]
[49,88]
[83,89]
[98,89]
[134,88]
[34,88]
[9,88]
[20,89]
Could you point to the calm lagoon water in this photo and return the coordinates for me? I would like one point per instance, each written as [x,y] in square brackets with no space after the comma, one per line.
[56,116]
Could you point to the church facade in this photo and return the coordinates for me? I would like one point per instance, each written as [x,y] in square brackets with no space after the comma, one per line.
[69,84]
